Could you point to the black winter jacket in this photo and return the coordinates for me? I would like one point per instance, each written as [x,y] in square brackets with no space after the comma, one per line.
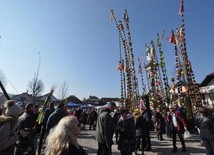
[203,122]
[105,128]
[54,118]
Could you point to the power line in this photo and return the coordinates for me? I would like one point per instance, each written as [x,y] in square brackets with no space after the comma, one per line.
[13,86]
[7,79]
[4,72]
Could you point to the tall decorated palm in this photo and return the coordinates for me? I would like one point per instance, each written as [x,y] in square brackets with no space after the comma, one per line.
[186,86]
[130,81]
[44,105]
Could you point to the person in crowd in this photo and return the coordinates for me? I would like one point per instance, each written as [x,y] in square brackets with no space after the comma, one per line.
[177,126]
[50,109]
[73,111]
[26,123]
[203,122]
[140,125]
[70,112]
[127,132]
[183,111]
[92,119]
[84,118]
[8,120]
[36,125]
[176,107]
[116,116]
[147,116]
[195,114]
[105,129]
[62,139]
[159,124]
[78,113]
[168,130]
[56,116]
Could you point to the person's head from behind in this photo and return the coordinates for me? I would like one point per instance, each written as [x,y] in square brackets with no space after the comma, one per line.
[61,106]
[124,112]
[12,110]
[206,111]
[111,106]
[51,105]
[70,123]
[62,135]
[36,109]
[29,108]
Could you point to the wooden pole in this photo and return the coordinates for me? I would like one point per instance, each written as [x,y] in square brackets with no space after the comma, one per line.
[4,91]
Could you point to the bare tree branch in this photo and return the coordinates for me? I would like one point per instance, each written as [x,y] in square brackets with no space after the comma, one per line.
[63,90]
[36,87]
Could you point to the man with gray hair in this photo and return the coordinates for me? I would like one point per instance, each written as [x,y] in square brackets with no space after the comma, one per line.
[105,129]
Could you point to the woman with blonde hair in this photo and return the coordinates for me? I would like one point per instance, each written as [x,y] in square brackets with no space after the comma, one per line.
[62,139]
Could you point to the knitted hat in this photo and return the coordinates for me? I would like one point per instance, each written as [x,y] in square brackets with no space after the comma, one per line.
[111,104]
[14,110]
[9,103]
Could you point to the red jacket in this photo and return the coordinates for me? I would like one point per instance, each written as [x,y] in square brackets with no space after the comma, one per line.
[179,118]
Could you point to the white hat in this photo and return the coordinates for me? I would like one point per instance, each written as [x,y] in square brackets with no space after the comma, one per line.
[14,110]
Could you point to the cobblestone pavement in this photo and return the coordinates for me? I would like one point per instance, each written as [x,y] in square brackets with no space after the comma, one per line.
[88,142]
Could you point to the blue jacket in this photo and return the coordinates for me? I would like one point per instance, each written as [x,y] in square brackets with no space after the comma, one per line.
[54,118]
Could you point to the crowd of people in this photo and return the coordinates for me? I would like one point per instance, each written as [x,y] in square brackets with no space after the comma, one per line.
[132,129]
[21,134]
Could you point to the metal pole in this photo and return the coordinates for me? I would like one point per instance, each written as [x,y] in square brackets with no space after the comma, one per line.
[4,91]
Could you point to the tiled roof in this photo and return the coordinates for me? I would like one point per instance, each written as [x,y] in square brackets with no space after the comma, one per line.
[207,79]
[73,99]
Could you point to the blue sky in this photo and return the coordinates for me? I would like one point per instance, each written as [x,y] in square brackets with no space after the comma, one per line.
[79,44]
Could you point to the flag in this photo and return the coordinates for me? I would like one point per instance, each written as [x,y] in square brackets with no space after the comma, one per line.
[172,38]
